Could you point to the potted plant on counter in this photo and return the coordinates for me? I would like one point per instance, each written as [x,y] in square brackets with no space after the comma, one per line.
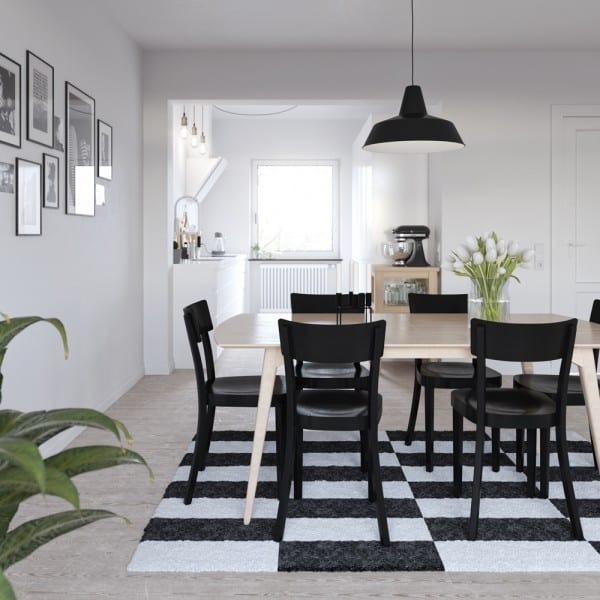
[24,473]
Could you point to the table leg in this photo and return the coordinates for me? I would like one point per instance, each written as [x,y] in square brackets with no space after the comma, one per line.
[271,360]
[584,359]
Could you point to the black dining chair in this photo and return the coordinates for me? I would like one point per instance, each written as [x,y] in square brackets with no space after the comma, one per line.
[331,403]
[548,384]
[442,375]
[515,408]
[238,391]
[329,304]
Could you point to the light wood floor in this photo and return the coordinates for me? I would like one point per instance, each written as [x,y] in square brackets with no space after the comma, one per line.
[91,563]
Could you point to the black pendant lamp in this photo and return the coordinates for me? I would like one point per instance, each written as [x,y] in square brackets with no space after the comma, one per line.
[413,131]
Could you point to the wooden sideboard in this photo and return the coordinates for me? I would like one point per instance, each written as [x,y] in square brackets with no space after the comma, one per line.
[391,285]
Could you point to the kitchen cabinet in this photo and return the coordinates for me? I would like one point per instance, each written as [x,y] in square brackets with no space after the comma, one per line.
[218,280]
[391,285]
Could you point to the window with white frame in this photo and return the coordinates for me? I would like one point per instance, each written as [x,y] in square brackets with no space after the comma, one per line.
[296,208]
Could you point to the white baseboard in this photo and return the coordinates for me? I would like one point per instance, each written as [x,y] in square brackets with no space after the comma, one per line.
[62,440]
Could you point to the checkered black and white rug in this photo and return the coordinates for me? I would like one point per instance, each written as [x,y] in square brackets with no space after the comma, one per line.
[333,528]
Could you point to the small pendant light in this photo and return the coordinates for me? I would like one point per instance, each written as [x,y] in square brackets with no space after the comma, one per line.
[183,132]
[194,131]
[202,136]
[413,131]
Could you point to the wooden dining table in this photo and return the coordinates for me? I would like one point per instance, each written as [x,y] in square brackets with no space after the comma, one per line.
[408,336]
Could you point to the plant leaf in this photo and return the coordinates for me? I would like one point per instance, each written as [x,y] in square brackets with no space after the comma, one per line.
[83,459]
[7,420]
[28,537]
[16,486]
[25,455]
[9,328]
[40,426]
[7,512]
[6,590]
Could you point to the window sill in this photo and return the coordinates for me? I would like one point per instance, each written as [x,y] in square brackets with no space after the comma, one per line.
[309,260]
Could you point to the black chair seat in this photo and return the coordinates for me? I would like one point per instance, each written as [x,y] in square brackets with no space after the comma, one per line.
[548,385]
[327,404]
[453,375]
[242,390]
[504,406]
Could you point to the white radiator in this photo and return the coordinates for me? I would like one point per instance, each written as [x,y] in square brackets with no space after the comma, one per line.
[277,282]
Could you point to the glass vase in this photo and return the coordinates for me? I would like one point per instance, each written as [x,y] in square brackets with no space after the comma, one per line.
[489,300]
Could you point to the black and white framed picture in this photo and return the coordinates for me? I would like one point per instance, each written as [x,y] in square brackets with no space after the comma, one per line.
[80,166]
[29,197]
[50,181]
[40,101]
[105,155]
[7,178]
[10,102]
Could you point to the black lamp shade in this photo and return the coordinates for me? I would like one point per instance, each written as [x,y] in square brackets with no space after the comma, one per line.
[413,131]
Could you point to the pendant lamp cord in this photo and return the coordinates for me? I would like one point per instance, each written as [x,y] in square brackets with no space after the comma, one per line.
[412,41]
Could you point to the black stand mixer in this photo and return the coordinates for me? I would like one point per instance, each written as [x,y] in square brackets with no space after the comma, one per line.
[415,234]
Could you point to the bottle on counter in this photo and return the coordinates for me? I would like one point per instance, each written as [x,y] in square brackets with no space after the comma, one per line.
[218,244]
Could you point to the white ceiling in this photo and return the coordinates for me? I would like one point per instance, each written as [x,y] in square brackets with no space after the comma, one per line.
[330,112]
[359,24]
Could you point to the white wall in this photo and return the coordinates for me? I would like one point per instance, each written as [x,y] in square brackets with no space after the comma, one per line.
[86,271]
[500,103]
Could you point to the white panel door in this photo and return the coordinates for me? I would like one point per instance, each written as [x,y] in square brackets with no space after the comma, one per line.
[575,209]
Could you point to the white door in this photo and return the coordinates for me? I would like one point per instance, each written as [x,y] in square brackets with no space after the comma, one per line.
[575,209]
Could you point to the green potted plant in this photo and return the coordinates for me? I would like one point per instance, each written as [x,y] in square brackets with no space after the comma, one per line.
[24,473]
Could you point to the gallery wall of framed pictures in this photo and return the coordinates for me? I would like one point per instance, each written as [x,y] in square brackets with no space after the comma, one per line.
[75,136]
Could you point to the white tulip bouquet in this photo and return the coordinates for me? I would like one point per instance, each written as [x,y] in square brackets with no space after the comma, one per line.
[489,262]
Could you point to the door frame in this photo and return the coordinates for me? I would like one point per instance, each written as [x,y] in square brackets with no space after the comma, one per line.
[557,186]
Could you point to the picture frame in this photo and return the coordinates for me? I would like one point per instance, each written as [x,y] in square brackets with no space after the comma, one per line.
[10,102]
[80,145]
[105,150]
[28,197]
[7,178]
[51,181]
[40,101]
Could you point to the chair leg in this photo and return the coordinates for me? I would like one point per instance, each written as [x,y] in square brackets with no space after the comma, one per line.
[364,448]
[495,449]
[477,476]
[457,448]
[593,450]
[199,454]
[414,409]
[531,462]
[565,472]
[279,439]
[286,480]
[519,450]
[429,391]
[375,476]
[544,461]
[210,422]
[298,464]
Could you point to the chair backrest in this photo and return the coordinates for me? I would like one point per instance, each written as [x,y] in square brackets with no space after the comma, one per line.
[329,303]
[438,303]
[332,344]
[198,324]
[523,342]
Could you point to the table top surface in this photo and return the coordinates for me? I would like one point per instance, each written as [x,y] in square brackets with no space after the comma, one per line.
[403,330]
